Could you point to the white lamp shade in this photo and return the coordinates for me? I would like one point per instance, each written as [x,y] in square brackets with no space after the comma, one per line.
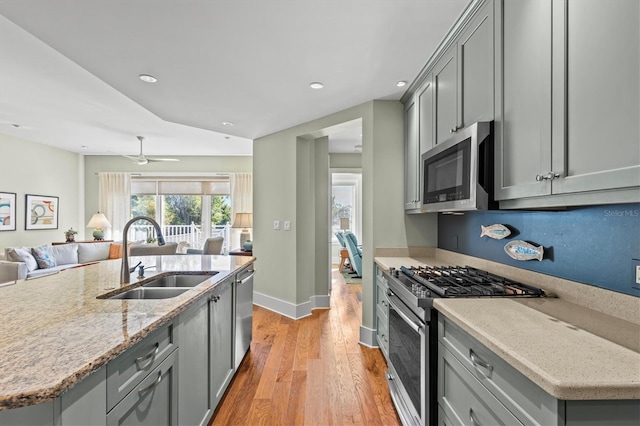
[243,220]
[98,220]
[344,223]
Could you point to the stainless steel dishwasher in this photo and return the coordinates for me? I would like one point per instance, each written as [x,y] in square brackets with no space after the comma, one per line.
[244,313]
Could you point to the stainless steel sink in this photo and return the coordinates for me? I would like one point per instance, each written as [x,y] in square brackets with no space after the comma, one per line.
[178,280]
[150,293]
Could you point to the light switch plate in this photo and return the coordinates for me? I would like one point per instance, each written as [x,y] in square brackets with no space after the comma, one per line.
[287,225]
[276,225]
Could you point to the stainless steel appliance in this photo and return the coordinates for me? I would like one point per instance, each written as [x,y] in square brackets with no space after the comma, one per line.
[244,313]
[458,173]
[412,365]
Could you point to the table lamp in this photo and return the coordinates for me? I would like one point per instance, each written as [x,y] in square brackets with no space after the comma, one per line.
[344,223]
[99,222]
[244,221]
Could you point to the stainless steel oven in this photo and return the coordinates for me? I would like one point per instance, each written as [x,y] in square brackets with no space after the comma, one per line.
[411,361]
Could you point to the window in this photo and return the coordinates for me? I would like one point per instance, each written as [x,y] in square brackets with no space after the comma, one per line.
[189,210]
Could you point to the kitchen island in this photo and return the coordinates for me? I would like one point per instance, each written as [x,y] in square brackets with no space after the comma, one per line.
[56,330]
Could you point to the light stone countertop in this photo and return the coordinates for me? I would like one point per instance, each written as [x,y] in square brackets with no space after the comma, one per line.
[582,345]
[54,331]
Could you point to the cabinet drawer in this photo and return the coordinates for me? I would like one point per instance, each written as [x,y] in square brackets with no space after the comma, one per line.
[526,400]
[463,399]
[127,370]
[153,401]
[383,301]
[382,332]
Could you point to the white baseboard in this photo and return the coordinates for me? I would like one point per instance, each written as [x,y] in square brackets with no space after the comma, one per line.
[289,309]
[368,337]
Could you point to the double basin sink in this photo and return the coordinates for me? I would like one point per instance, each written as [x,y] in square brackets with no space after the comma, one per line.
[164,287]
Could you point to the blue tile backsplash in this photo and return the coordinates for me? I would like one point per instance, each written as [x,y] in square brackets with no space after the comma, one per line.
[595,245]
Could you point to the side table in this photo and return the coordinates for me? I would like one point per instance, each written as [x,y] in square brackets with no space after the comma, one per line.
[241,253]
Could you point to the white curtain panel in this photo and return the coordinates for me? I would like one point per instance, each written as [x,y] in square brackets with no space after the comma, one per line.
[114,191]
[241,202]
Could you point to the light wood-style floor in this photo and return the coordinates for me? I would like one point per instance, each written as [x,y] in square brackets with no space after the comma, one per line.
[311,371]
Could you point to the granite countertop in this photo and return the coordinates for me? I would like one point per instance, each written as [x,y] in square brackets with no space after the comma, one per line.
[54,330]
[571,351]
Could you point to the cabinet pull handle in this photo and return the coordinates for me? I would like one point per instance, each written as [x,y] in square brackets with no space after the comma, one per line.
[151,355]
[215,298]
[472,418]
[478,361]
[548,176]
[454,130]
[152,385]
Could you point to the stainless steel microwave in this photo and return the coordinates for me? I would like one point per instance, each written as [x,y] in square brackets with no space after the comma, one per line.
[458,173]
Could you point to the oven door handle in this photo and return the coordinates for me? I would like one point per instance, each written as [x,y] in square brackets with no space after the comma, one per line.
[415,326]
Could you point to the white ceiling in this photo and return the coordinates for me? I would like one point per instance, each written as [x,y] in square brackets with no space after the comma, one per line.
[69,68]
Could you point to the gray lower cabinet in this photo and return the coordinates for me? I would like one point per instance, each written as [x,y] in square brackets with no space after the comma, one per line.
[154,401]
[382,313]
[568,102]
[477,387]
[222,339]
[194,384]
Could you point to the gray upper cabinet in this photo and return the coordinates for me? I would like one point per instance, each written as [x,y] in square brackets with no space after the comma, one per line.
[476,68]
[445,82]
[567,94]
[411,162]
[602,105]
[523,104]
[426,129]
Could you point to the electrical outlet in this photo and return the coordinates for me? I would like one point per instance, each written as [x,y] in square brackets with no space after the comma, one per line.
[276,225]
[637,274]
[287,225]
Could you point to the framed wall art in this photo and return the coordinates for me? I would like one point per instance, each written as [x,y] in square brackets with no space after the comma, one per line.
[7,211]
[41,212]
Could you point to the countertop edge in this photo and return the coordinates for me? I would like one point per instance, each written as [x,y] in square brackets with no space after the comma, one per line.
[563,391]
[50,393]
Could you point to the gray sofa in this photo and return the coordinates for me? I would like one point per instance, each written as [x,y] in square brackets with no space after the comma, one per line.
[19,262]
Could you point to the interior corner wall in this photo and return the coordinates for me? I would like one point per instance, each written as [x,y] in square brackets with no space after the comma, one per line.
[28,167]
[322,239]
[281,171]
[305,220]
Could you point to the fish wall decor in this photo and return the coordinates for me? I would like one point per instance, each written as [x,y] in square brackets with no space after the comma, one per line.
[522,250]
[496,231]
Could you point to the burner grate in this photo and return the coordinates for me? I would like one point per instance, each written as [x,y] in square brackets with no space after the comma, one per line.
[458,281]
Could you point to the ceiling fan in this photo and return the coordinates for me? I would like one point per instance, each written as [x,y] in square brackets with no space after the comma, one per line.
[141,159]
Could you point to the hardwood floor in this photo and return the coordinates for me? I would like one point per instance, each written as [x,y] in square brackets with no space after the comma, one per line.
[311,371]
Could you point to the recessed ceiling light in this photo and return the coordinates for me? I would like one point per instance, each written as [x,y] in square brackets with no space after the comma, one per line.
[401,83]
[147,78]
[227,137]
[316,85]
[84,147]
[17,126]
[227,123]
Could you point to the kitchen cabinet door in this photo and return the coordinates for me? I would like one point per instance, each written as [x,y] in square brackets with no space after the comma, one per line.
[596,142]
[194,386]
[221,339]
[426,129]
[445,80]
[523,98]
[411,162]
[476,65]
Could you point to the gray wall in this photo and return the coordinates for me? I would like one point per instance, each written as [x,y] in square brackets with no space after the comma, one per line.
[31,168]
[345,161]
[290,183]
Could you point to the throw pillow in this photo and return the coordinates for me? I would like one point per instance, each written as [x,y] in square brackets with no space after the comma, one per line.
[115,251]
[44,257]
[65,254]
[23,255]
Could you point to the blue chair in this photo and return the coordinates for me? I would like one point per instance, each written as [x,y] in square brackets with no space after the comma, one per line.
[355,252]
[340,237]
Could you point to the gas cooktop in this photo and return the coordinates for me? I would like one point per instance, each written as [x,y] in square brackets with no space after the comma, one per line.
[461,281]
